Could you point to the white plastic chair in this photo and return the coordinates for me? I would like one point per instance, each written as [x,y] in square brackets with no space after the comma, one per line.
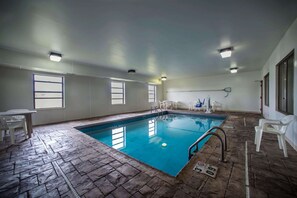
[277,127]
[261,124]
[10,124]
[215,105]
[191,106]
[19,117]
[169,104]
[163,104]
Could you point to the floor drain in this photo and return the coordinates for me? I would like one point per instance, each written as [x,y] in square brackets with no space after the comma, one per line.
[206,169]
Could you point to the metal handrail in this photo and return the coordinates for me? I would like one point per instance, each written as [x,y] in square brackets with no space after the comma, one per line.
[158,110]
[225,137]
[154,108]
[207,133]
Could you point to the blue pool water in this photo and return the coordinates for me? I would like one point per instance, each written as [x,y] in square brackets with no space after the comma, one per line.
[161,142]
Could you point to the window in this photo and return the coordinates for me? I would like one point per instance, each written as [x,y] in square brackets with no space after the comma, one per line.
[117,92]
[152,93]
[48,91]
[266,89]
[284,84]
[119,138]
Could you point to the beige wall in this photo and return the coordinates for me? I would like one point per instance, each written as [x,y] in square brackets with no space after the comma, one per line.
[84,96]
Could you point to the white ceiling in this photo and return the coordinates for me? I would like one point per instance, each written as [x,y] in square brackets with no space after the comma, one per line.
[176,38]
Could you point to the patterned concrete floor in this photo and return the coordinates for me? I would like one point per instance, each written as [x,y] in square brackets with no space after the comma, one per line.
[59,161]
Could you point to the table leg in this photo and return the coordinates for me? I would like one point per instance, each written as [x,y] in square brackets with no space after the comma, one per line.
[29,124]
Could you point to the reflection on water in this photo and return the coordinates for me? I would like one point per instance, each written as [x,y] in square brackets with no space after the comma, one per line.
[166,118]
[203,123]
[119,138]
[152,128]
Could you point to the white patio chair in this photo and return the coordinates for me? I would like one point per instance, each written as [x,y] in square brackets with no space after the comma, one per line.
[168,104]
[276,127]
[163,104]
[215,105]
[18,117]
[261,124]
[191,106]
[10,124]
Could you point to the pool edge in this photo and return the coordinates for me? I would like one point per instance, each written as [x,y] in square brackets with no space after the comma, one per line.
[219,116]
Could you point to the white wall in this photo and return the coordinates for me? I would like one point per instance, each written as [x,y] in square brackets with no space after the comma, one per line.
[11,58]
[85,96]
[284,47]
[245,95]
[87,87]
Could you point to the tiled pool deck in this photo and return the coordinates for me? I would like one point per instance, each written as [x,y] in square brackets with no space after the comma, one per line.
[28,169]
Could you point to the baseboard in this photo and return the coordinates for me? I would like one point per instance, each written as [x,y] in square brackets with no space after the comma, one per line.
[89,118]
[234,111]
[292,144]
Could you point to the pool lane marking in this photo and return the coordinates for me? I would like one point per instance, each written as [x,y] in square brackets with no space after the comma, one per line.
[59,169]
[247,183]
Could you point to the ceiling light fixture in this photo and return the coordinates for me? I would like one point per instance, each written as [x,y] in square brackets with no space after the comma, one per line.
[131,71]
[233,70]
[55,56]
[163,78]
[226,52]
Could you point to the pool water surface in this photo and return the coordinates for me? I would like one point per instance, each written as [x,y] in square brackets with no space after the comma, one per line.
[161,141]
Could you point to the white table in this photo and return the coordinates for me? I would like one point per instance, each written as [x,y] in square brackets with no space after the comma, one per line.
[26,113]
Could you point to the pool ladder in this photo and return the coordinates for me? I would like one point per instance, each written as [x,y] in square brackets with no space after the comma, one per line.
[207,133]
[159,111]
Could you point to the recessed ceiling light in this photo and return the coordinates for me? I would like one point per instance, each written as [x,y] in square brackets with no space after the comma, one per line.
[55,56]
[131,71]
[226,52]
[233,70]
[163,78]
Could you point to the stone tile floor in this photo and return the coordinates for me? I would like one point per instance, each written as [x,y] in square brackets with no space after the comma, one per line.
[32,168]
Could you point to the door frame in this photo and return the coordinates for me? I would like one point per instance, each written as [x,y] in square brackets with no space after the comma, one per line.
[261,97]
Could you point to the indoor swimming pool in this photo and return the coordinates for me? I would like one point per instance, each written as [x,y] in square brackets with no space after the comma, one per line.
[159,141]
